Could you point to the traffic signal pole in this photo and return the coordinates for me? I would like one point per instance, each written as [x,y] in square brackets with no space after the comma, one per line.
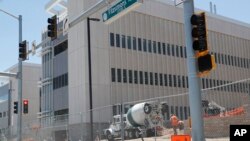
[19,77]
[193,79]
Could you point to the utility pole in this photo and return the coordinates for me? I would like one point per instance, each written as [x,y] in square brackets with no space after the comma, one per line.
[19,76]
[194,81]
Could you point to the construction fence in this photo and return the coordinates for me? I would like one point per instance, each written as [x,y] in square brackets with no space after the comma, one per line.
[220,110]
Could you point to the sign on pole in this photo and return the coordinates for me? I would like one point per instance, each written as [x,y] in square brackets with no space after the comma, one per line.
[120,9]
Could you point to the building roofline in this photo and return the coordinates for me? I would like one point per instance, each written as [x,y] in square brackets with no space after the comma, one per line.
[26,64]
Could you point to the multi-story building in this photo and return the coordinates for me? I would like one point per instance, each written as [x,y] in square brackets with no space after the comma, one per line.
[30,91]
[139,56]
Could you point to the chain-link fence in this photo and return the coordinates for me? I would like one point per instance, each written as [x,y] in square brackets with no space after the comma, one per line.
[143,120]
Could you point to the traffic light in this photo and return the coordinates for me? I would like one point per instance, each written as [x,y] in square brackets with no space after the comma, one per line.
[15,107]
[25,106]
[199,34]
[206,61]
[52,27]
[23,50]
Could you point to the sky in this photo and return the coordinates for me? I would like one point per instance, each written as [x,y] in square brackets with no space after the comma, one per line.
[35,20]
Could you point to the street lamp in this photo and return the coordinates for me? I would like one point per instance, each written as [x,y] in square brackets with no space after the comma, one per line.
[19,77]
[90,76]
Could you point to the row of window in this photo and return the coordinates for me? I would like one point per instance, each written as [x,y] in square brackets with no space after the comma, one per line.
[231,60]
[60,81]
[147,45]
[3,114]
[171,50]
[171,80]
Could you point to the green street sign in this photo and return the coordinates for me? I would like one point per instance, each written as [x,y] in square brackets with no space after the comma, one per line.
[119,9]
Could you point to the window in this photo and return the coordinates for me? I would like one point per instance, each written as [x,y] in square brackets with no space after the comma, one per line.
[159,47]
[141,77]
[222,58]
[146,77]
[134,43]
[228,60]
[161,79]
[187,81]
[135,77]
[181,51]
[168,49]
[111,37]
[203,83]
[145,45]
[164,48]
[151,78]
[129,42]
[166,79]
[177,50]
[119,75]
[154,47]
[124,74]
[172,50]
[149,46]
[117,37]
[58,49]
[175,80]
[156,78]
[130,76]
[185,52]
[170,80]
[123,41]
[183,82]
[179,81]
[139,44]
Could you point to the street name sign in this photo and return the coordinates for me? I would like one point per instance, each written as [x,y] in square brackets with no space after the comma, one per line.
[120,9]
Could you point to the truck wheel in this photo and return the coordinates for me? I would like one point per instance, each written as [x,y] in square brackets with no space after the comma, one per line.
[130,134]
[110,136]
[137,133]
[147,108]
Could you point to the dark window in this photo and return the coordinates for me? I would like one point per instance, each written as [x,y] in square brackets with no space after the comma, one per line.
[154,47]
[156,78]
[164,48]
[139,44]
[179,81]
[185,52]
[181,51]
[124,74]
[187,81]
[146,77]
[177,50]
[60,48]
[130,76]
[123,41]
[170,80]
[183,82]
[166,79]
[222,58]
[129,42]
[203,83]
[151,78]
[177,111]
[134,43]
[172,50]
[141,77]
[149,46]
[145,45]
[161,79]
[66,79]
[207,82]
[168,49]
[159,47]
[218,58]
[117,37]
[181,112]
[175,80]
[112,41]
[135,77]
[63,80]
[185,113]
[228,60]
[119,75]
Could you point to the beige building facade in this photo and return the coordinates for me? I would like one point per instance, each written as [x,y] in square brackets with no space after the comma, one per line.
[142,55]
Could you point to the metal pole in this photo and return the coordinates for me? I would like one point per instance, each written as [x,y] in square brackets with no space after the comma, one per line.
[90,81]
[19,116]
[194,81]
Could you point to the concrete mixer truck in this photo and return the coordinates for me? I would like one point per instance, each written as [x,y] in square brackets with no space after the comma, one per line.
[140,120]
